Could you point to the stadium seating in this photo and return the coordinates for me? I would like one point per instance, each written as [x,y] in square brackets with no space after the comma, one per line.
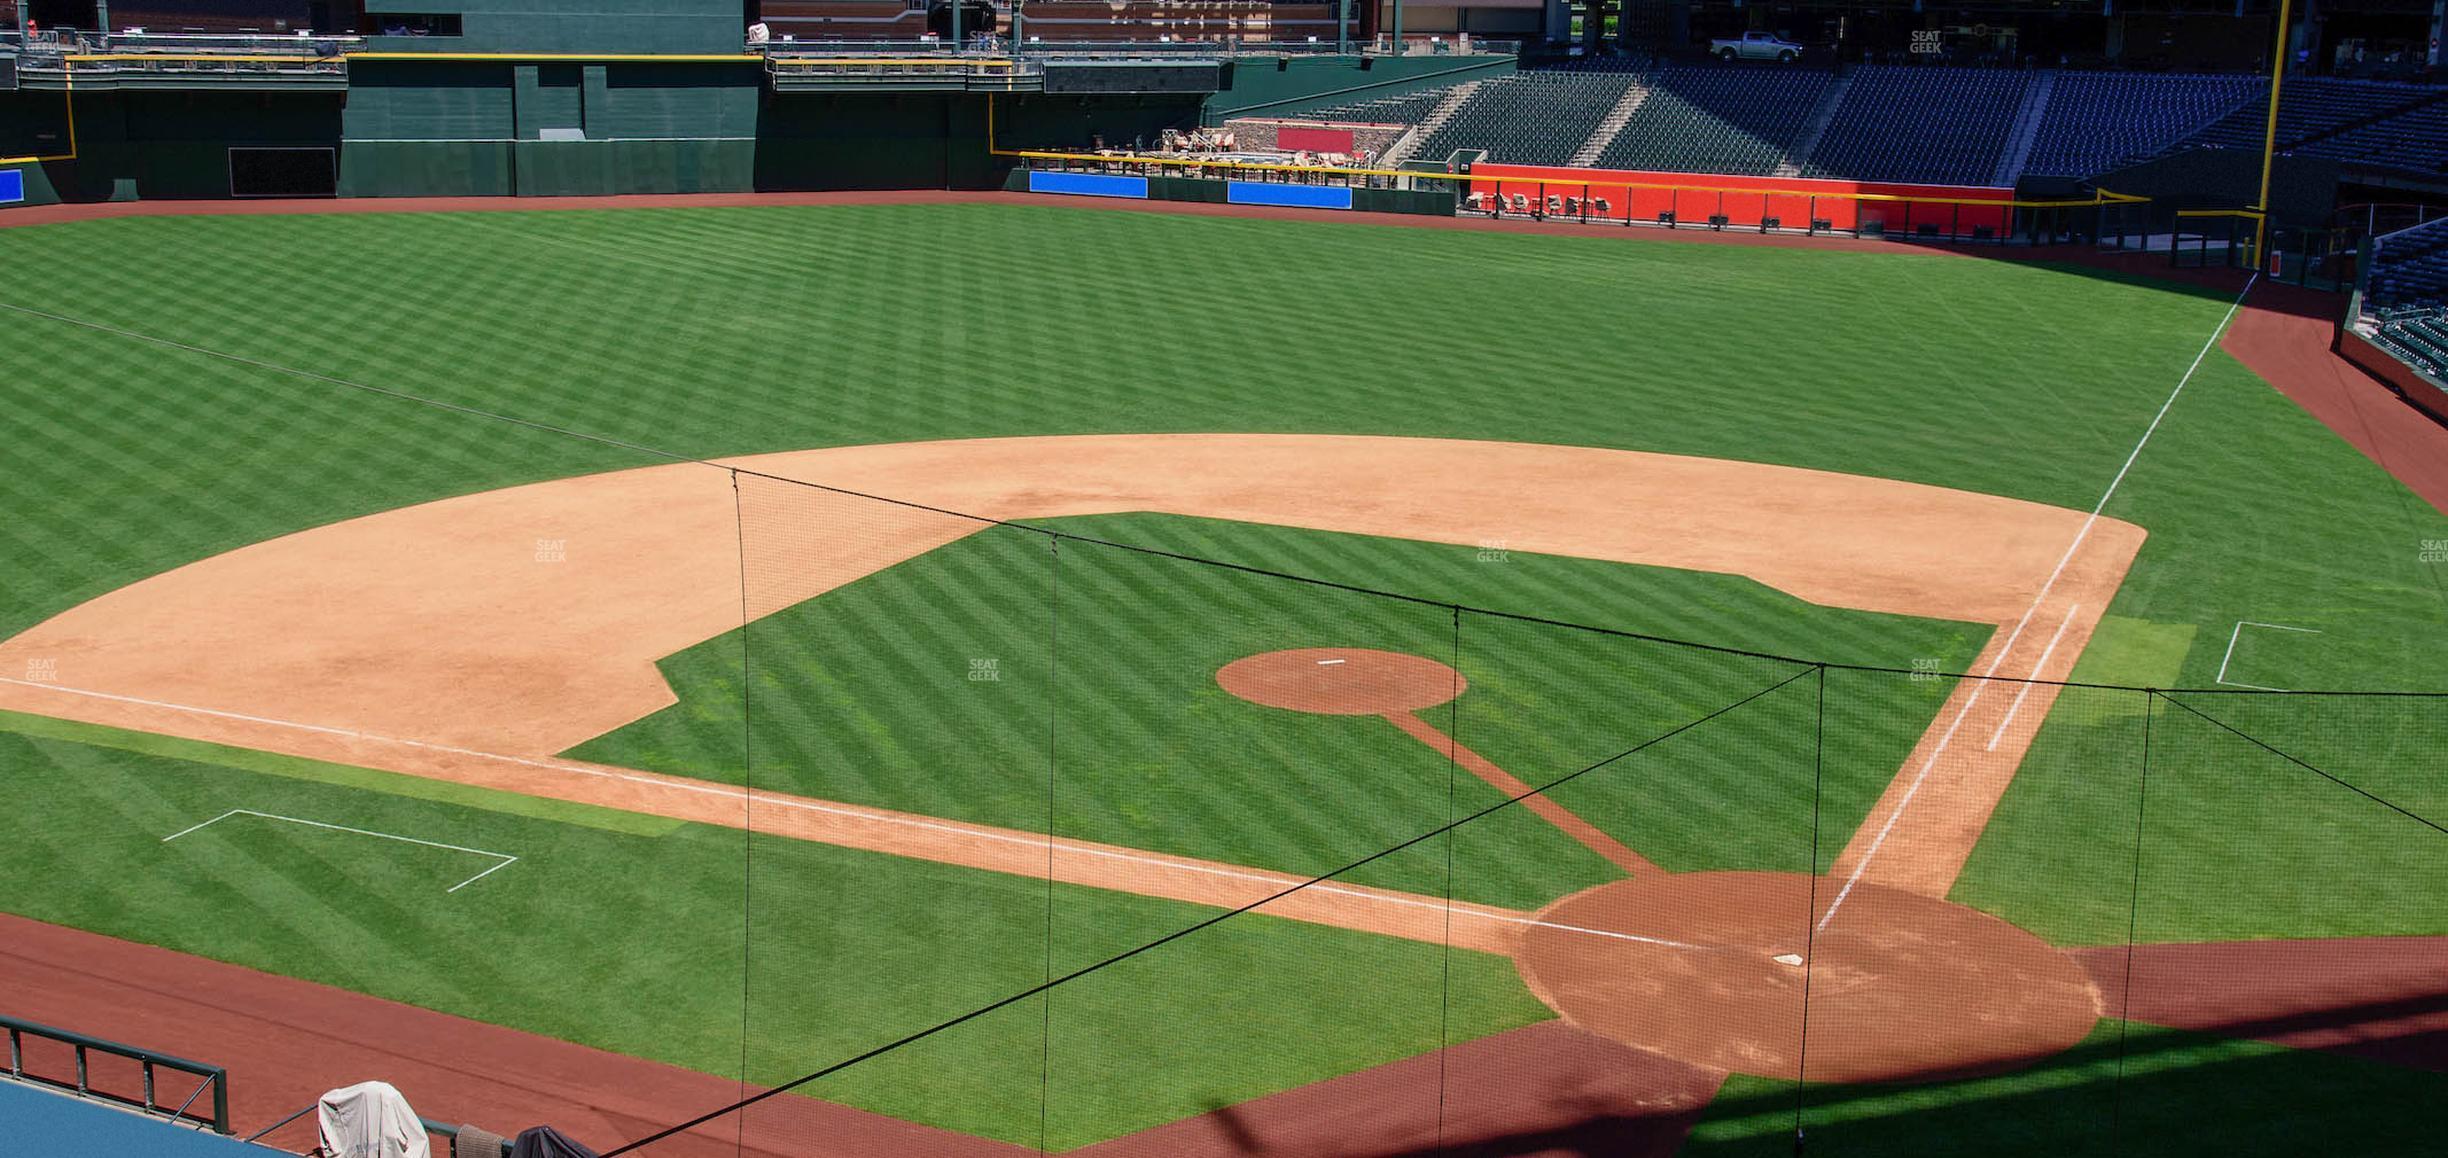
[1911,123]
[2415,141]
[1928,125]
[1195,20]
[2096,121]
[1718,119]
[1408,109]
[2419,338]
[844,19]
[2411,268]
[1530,118]
[2311,107]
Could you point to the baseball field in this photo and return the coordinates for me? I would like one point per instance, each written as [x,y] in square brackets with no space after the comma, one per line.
[1169,683]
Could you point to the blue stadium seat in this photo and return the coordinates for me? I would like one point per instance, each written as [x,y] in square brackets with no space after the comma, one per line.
[1922,125]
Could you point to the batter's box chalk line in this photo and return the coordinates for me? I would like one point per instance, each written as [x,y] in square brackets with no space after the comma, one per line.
[2238,634]
[501,860]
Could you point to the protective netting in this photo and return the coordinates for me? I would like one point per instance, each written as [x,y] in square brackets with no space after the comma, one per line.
[1051,842]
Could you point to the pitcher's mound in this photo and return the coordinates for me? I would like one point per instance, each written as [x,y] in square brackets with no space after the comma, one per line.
[1341,681]
[1709,968]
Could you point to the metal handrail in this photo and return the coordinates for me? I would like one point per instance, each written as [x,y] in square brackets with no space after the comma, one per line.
[214,1076]
[450,1132]
[786,46]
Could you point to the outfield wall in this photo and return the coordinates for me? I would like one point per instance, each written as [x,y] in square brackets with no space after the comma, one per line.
[1745,201]
[1230,191]
[2417,388]
[506,126]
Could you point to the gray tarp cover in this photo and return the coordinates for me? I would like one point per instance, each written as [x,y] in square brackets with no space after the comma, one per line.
[546,1142]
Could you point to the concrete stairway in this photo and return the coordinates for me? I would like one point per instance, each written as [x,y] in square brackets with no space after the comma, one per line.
[2026,129]
[1616,118]
[1821,117]
[1404,146]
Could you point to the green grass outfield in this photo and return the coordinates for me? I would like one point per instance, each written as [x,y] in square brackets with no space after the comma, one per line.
[719,332]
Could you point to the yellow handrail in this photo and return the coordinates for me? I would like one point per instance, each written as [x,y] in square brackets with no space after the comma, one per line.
[67,96]
[864,61]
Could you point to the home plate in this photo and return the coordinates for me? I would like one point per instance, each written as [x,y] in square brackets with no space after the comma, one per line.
[1788,958]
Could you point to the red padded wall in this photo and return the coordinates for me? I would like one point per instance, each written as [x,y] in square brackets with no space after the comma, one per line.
[1744,200]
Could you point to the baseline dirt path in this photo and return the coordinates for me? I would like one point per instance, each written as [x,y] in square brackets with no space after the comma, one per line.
[432,640]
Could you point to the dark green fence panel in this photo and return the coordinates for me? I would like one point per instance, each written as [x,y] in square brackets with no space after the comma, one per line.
[425,169]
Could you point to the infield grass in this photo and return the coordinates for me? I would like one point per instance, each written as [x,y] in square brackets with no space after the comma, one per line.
[868,694]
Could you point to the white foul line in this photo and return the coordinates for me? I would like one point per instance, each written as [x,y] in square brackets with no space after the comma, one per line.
[503,859]
[2241,624]
[2028,682]
[873,816]
[1914,788]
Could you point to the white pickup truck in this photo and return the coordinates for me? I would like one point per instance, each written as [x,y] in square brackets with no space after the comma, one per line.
[1756,46]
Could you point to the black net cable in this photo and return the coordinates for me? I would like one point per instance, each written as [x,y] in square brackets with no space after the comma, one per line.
[2341,782]
[2133,920]
[1810,916]
[739,524]
[1453,763]
[1219,918]
[1045,1020]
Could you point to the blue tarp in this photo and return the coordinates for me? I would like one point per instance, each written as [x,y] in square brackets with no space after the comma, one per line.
[1087,184]
[1297,196]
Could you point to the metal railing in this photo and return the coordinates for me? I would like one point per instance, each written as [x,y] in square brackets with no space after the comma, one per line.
[124,53]
[82,1083]
[1036,45]
[450,1134]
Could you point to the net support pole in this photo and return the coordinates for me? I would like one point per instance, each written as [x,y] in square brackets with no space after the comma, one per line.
[2269,132]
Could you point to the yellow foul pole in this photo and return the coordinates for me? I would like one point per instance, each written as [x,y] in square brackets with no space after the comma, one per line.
[2269,135]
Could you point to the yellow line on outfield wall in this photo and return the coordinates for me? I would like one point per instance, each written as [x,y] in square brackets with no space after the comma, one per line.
[67,95]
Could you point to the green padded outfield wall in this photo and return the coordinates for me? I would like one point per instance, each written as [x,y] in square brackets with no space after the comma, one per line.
[474,128]
[157,144]
[510,127]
